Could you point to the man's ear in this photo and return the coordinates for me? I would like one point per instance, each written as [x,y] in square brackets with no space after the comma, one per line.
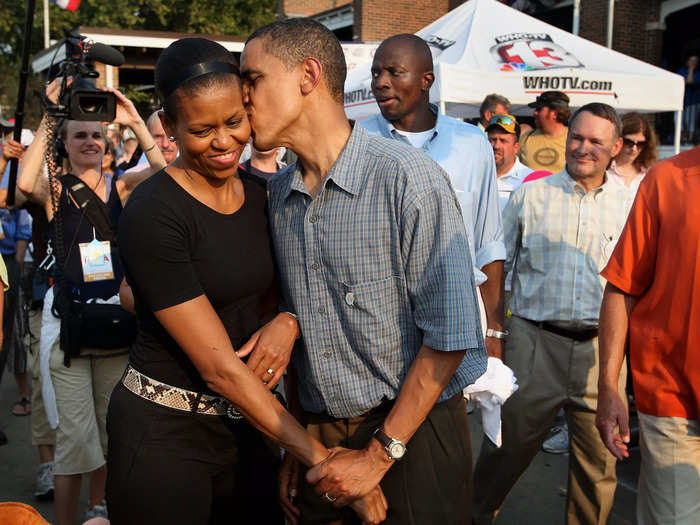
[516,147]
[312,74]
[616,147]
[427,80]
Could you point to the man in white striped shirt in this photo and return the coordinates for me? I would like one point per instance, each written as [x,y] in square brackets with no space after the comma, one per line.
[559,233]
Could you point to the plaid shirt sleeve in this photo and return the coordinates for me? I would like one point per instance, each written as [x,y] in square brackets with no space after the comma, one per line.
[439,273]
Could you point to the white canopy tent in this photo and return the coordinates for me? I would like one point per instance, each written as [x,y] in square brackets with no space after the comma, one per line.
[485,47]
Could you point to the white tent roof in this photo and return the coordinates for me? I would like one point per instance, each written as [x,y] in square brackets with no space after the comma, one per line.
[485,47]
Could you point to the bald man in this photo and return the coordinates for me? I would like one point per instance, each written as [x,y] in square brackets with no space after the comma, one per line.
[402,74]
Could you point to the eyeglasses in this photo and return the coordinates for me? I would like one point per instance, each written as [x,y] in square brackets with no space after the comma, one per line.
[631,143]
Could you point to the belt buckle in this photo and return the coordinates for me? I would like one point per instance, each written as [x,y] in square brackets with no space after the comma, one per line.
[232,413]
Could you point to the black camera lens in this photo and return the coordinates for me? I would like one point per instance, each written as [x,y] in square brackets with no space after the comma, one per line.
[93,105]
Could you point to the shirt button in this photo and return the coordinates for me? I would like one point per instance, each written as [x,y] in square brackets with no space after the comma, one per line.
[313,219]
[321,310]
[326,354]
[350,298]
[315,266]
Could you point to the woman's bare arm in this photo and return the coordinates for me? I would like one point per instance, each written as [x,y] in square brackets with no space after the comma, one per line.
[196,327]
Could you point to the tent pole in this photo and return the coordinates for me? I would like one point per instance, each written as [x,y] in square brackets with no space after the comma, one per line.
[611,16]
[577,17]
[442,107]
[677,133]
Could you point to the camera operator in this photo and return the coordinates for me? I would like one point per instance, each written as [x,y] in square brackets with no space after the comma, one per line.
[83,375]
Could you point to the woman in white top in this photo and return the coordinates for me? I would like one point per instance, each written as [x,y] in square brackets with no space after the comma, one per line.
[638,151]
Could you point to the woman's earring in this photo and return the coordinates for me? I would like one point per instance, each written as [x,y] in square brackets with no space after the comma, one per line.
[172,139]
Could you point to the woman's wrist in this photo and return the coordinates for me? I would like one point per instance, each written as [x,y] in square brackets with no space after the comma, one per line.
[290,320]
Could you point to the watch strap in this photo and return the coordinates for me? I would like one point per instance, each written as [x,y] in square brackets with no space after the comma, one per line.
[490,332]
[380,436]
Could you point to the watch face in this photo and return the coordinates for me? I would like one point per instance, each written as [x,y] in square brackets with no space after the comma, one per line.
[397,450]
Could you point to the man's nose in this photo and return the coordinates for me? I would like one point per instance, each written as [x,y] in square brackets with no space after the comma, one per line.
[381,80]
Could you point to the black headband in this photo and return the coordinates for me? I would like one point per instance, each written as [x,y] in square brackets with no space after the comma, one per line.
[188,73]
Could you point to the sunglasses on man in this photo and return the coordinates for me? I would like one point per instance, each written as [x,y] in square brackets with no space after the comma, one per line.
[507,122]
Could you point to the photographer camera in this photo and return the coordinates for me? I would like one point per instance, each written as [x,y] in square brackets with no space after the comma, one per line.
[95,332]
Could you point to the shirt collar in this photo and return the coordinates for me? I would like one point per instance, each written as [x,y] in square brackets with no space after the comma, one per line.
[346,172]
[570,184]
[515,171]
[388,130]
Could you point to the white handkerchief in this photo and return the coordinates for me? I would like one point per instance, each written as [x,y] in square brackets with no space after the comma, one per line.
[490,391]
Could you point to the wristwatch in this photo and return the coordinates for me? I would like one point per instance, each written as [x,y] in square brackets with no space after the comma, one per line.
[490,332]
[395,449]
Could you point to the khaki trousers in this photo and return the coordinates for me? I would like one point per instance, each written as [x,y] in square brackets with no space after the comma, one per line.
[553,372]
[82,397]
[669,481]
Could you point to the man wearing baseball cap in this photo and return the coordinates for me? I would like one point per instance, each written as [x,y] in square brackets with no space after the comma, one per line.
[503,132]
[544,148]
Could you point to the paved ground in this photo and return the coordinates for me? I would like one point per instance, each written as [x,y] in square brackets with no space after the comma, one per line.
[538,498]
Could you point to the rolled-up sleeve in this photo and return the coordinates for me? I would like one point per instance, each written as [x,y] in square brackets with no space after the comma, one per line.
[488,228]
[439,274]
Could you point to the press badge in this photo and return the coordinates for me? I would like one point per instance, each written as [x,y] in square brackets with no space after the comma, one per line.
[96,260]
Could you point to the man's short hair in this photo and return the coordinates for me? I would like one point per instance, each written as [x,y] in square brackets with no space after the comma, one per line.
[491,103]
[152,119]
[603,111]
[295,39]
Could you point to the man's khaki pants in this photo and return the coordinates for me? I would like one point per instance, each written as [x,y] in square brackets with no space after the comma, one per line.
[553,372]
[669,481]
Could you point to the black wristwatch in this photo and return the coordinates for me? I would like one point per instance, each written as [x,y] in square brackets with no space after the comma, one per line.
[395,449]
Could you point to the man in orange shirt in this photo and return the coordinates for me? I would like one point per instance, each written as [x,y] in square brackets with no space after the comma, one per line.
[653,295]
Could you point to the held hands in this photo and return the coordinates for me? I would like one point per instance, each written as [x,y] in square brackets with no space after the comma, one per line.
[270,348]
[612,413]
[347,475]
[371,508]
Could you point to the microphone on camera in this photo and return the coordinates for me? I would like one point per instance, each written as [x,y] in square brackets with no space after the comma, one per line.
[105,54]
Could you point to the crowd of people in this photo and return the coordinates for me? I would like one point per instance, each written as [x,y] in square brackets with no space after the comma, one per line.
[392,269]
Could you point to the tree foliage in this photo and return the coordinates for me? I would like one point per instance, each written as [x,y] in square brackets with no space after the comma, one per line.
[222,17]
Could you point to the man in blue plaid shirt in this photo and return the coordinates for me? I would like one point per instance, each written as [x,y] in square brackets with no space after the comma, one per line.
[374,260]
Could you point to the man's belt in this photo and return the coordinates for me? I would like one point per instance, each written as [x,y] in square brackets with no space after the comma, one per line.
[577,335]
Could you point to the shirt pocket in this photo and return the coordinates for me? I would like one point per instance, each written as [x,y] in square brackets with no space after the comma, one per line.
[373,313]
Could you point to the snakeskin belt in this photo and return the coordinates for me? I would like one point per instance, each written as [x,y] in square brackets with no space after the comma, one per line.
[177,398]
